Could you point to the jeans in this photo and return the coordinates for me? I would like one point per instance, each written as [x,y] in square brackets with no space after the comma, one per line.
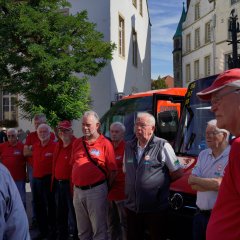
[200,222]
[117,220]
[45,205]
[91,212]
[66,218]
[30,172]
[22,191]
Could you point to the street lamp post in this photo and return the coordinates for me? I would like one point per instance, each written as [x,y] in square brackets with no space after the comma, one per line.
[233,61]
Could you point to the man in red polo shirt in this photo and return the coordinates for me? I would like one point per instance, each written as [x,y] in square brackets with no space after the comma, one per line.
[42,173]
[11,155]
[224,94]
[31,139]
[92,165]
[116,196]
[62,171]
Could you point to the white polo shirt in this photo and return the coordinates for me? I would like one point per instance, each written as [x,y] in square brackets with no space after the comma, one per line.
[209,167]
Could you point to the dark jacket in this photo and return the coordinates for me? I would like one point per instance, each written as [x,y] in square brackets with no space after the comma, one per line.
[147,182]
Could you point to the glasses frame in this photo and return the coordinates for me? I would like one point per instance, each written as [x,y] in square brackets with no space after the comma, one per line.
[217,99]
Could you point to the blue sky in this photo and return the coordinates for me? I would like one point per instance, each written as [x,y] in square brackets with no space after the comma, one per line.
[164,16]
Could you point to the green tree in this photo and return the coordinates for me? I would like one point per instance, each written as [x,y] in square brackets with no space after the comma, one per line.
[158,84]
[41,49]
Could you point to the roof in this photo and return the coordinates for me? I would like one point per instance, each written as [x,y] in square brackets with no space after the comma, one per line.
[178,32]
[167,91]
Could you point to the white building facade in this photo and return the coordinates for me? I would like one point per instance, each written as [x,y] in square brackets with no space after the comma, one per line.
[198,41]
[205,38]
[125,23]
[223,49]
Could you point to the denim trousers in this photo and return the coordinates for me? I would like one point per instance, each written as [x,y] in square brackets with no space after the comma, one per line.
[30,176]
[91,212]
[22,190]
[45,205]
[200,222]
[65,214]
[117,220]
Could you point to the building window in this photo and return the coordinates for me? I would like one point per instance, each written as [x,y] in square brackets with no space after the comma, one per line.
[207,66]
[188,73]
[134,2]
[197,38]
[207,32]
[121,41]
[229,32]
[234,1]
[177,58]
[64,11]
[226,61]
[134,47]
[197,11]
[196,69]
[9,108]
[188,42]
[177,44]
[141,7]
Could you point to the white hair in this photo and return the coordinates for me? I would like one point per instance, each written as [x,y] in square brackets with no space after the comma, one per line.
[150,118]
[92,113]
[12,130]
[213,123]
[44,125]
[41,117]
[118,124]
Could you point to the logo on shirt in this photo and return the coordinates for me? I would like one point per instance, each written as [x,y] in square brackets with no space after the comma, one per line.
[146,159]
[48,154]
[130,160]
[118,157]
[95,152]
[176,163]
[16,152]
[218,170]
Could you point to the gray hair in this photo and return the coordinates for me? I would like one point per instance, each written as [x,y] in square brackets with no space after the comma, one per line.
[213,122]
[44,125]
[92,113]
[12,130]
[41,117]
[118,124]
[151,120]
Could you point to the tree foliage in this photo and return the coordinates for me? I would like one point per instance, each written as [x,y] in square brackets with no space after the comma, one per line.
[158,84]
[41,49]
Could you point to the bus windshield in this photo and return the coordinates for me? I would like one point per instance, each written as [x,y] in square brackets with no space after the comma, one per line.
[190,138]
[125,111]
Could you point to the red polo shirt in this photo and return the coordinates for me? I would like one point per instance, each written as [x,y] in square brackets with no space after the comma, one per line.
[32,139]
[62,169]
[225,217]
[43,159]
[12,157]
[117,191]
[84,172]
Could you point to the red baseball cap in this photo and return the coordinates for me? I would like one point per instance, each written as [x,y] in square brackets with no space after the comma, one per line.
[65,125]
[228,78]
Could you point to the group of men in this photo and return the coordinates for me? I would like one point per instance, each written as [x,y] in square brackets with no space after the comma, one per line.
[101,189]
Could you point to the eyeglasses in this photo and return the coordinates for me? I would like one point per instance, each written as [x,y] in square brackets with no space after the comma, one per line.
[64,130]
[215,100]
[11,136]
[142,125]
[212,134]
